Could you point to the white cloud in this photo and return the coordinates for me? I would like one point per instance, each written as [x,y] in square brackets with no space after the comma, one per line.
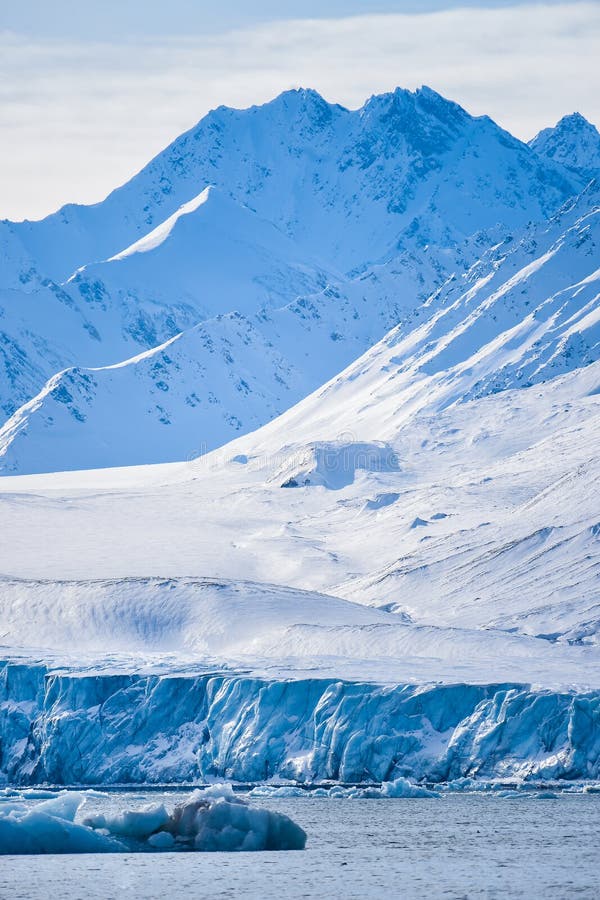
[79,118]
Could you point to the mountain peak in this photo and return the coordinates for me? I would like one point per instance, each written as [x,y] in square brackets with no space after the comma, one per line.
[425,122]
[575,122]
[302,100]
[305,95]
[299,104]
[573,142]
[423,101]
[427,95]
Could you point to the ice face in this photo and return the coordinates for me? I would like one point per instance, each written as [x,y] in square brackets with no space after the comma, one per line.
[93,728]
[210,820]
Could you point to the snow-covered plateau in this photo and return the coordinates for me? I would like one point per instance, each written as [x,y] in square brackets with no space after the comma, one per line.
[300,458]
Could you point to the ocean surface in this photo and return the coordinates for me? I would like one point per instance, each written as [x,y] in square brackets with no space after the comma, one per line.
[460,846]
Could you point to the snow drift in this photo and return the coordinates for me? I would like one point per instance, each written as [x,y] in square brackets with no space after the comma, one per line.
[333,464]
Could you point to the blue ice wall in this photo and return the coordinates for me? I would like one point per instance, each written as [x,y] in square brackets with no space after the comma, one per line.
[82,728]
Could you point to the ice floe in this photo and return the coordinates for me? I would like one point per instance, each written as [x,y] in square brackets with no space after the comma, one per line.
[396,789]
[214,819]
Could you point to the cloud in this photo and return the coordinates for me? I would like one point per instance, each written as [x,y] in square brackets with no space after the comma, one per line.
[78,118]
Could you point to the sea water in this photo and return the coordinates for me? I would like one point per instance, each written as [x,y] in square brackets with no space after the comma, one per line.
[459,846]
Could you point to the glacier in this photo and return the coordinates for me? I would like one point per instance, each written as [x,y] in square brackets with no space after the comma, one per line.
[91,728]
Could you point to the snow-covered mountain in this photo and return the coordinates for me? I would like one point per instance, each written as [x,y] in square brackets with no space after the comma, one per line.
[574,142]
[483,515]
[178,276]
[526,311]
[323,227]
[206,383]
[395,483]
[346,185]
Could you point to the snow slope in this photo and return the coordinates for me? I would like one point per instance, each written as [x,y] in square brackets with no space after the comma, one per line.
[481,516]
[213,255]
[525,312]
[161,623]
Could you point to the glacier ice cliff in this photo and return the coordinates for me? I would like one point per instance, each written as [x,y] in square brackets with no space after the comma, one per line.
[95,727]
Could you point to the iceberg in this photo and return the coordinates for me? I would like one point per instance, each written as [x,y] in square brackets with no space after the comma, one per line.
[214,819]
[399,788]
[50,827]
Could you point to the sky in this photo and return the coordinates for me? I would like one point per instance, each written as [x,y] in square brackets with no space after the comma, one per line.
[90,91]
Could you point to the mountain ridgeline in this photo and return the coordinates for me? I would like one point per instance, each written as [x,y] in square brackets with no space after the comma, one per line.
[266,249]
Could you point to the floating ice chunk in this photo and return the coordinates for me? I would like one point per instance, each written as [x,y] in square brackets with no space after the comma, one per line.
[460,785]
[218,792]
[393,790]
[162,841]
[284,790]
[214,819]
[134,823]
[62,806]
[400,787]
[49,828]
[12,807]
